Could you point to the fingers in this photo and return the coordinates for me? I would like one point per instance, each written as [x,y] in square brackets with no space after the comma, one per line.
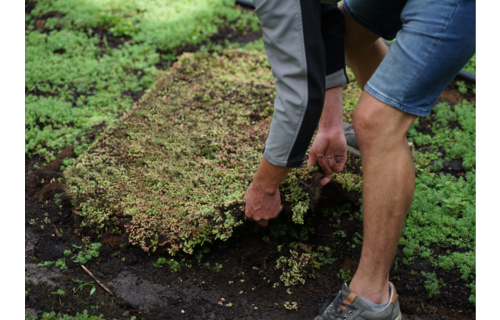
[260,209]
[264,222]
[337,153]
[338,164]
[323,163]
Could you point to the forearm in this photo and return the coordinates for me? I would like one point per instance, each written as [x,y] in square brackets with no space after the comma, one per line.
[331,117]
[268,176]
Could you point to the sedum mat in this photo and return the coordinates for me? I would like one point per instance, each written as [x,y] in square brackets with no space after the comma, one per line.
[173,172]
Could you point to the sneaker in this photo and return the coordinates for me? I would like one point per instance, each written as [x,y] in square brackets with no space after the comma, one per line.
[352,143]
[346,305]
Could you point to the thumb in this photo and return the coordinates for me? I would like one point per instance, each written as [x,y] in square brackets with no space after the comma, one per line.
[327,178]
[263,223]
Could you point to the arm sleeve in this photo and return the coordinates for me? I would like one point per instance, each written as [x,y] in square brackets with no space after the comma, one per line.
[294,39]
[332,32]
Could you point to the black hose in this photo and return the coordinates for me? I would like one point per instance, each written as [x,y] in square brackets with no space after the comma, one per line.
[464,75]
[245,3]
[469,77]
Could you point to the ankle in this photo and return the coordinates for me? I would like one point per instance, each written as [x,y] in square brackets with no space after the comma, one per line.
[375,294]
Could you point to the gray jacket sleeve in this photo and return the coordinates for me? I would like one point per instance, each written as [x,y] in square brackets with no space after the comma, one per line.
[294,32]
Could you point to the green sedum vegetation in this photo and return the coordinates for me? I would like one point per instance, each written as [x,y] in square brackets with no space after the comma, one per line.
[453,132]
[443,213]
[295,268]
[59,316]
[166,25]
[79,89]
[85,60]
[471,65]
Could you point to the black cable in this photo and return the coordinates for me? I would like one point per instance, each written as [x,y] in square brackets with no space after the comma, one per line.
[469,77]
[245,3]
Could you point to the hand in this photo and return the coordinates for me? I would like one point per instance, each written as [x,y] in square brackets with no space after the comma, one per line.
[260,205]
[329,151]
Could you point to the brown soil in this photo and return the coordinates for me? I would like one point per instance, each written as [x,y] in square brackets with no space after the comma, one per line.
[453,96]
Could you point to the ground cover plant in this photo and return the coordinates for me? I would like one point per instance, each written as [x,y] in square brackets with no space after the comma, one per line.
[441,226]
[53,316]
[86,62]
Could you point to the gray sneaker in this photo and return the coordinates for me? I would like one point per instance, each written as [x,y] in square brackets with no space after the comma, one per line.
[346,305]
[352,143]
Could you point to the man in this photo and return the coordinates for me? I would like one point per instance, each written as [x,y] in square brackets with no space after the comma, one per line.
[434,41]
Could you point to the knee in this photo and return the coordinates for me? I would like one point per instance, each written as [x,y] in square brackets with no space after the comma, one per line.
[366,124]
[376,122]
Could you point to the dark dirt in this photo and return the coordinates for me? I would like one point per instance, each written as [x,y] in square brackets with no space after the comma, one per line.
[29,6]
[245,280]
[107,40]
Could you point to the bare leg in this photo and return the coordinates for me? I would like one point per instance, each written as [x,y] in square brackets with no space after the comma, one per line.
[364,51]
[388,185]
[388,172]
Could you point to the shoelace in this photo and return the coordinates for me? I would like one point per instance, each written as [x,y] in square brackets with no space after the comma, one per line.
[337,302]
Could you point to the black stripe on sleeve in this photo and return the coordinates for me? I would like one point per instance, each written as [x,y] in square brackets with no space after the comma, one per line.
[315,59]
[332,32]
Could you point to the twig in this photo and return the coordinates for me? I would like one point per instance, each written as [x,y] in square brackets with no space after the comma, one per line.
[57,232]
[98,282]
[323,235]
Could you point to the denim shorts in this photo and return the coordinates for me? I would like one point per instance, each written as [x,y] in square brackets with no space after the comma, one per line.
[434,40]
